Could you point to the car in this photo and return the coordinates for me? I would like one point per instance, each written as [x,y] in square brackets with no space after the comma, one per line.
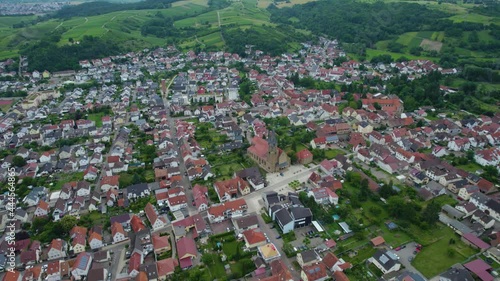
[415,252]
[489,261]
[397,249]
[272,226]
[410,259]
[278,237]
[403,246]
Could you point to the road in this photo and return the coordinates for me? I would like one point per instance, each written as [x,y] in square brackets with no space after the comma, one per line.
[117,258]
[186,183]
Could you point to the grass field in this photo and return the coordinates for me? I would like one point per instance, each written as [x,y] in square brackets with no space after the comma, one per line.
[96,118]
[438,256]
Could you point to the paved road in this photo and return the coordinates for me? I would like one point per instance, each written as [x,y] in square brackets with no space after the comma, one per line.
[186,183]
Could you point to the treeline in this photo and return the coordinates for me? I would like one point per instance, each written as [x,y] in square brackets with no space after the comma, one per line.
[363,23]
[101,7]
[46,55]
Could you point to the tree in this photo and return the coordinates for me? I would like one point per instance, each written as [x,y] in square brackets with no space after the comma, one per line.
[431,213]
[490,173]
[18,161]
[386,191]
[67,223]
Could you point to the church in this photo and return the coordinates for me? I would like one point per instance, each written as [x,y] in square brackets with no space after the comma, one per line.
[268,155]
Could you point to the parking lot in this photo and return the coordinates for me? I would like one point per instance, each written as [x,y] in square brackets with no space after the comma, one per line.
[406,254]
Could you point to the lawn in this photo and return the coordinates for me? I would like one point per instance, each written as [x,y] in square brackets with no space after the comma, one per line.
[440,255]
[96,117]
[230,248]
[470,167]
[364,253]
[332,153]
[64,178]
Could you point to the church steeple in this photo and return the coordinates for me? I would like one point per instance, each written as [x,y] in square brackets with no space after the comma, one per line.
[272,141]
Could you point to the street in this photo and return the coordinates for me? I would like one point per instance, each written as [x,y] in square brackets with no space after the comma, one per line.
[186,183]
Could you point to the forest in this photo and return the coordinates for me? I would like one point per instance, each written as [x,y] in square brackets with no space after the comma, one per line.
[102,7]
[47,55]
[365,23]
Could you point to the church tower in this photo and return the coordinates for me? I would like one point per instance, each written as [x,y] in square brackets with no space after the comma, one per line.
[272,152]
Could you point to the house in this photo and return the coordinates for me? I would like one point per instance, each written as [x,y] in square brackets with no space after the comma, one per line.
[95,240]
[308,257]
[139,190]
[53,271]
[57,249]
[244,223]
[12,275]
[186,251]
[42,209]
[314,272]
[81,266]
[165,268]
[253,176]
[110,182]
[324,195]
[137,224]
[136,259]
[481,269]
[333,263]
[269,252]
[200,197]
[227,210]
[156,221]
[304,156]
[161,244]
[385,262]
[284,220]
[118,233]
[177,202]
[254,238]
[91,173]
[456,273]
[465,193]
[228,189]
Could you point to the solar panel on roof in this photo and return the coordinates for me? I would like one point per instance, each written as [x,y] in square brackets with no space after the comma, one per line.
[83,261]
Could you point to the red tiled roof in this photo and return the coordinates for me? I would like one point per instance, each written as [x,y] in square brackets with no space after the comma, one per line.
[254,237]
[186,247]
[137,224]
[166,267]
[304,154]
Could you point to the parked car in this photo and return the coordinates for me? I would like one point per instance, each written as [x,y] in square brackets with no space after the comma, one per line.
[278,237]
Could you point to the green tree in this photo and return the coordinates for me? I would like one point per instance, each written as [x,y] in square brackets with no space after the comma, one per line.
[431,213]
[18,161]
[67,223]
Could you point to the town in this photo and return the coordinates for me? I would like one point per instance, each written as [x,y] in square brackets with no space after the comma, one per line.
[159,164]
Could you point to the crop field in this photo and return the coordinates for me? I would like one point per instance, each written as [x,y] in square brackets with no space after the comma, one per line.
[477,18]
